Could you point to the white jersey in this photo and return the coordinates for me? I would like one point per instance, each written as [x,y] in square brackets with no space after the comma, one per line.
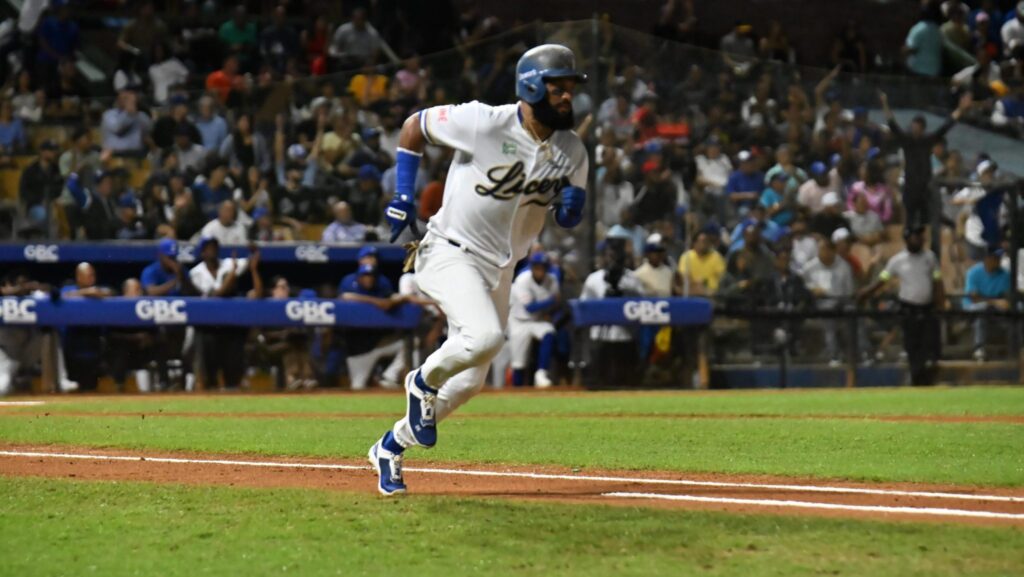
[526,291]
[501,181]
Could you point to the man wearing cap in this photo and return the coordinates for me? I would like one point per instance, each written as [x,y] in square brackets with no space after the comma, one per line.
[191,154]
[982,202]
[226,228]
[344,229]
[774,200]
[743,189]
[987,288]
[367,256]
[920,291]
[657,276]
[365,347]
[130,226]
[830,280]
[365,196]
[163,277]
[40,184]
[535,295]
[812,191]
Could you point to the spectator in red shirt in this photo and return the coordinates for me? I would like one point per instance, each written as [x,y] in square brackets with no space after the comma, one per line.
[226,80]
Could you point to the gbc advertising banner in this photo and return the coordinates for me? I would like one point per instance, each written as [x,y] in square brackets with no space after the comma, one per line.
[123,312]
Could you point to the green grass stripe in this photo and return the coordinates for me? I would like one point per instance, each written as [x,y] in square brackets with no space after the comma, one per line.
[958,453]
[122,529]
[951,401]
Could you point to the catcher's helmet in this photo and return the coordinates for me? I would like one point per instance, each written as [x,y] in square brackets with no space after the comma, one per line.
[544,61]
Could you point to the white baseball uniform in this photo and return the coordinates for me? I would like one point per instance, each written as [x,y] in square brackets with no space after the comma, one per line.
[496,199]
[523,326]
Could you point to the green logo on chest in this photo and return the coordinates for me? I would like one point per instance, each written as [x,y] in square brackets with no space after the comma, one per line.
[508,148]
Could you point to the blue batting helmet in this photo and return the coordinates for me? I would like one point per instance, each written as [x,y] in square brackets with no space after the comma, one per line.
[540,63]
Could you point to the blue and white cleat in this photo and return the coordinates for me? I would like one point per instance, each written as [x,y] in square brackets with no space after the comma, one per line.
[419,410]
[389,470]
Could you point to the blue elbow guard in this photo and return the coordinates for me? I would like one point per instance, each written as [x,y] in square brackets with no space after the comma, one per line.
[566,218]
[407,164]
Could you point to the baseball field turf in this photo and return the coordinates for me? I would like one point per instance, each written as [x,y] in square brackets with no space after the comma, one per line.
[826,482]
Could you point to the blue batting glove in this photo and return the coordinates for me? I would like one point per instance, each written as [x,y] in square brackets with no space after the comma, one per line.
[400,213]
[570,212]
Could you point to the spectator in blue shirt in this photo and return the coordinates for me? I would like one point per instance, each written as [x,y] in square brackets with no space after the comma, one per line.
[987,288]
[125,128]
[365,347]
[757,217]
[12,130]
[163,277]
[923,46]
[774,200]
[344,228]
[58,37]
[213,129]
[367,256]
[743,189]
[212,190]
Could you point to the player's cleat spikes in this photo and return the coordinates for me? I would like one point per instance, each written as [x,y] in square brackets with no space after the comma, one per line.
[541,380]
[419,409]
[389,470]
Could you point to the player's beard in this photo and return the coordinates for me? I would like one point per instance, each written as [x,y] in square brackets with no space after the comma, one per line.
[550,117]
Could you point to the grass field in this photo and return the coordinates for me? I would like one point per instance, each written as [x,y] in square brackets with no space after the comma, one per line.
[949,436]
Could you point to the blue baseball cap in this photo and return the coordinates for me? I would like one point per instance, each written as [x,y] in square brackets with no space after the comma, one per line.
[167,247]
[539,258]
[818,168]
[205,241]
[365,269]
[368,250]
[780,176]
[126,200]
[307,294]
[369,172]
[260,213]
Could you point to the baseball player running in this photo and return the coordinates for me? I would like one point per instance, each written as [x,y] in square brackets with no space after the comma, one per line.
[513,164]
[535,294]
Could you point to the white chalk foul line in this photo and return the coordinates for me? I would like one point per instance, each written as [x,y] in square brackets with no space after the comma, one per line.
[525,475]
[21,403]
[937,511]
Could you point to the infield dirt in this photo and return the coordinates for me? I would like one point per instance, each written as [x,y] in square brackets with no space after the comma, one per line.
[551,484]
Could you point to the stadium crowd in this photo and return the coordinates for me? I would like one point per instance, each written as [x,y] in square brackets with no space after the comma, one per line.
[733,177]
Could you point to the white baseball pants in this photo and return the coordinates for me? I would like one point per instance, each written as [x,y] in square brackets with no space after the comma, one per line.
[360,367]
[521,335]
[474,296]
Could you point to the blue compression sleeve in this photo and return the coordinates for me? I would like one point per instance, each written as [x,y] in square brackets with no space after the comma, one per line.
[545,350]
[407,164]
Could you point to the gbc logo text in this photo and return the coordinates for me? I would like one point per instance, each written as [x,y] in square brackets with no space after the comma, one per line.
[310,312]
[42,253]
[162,312]
[18,312]
[647,312]
[311,253]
